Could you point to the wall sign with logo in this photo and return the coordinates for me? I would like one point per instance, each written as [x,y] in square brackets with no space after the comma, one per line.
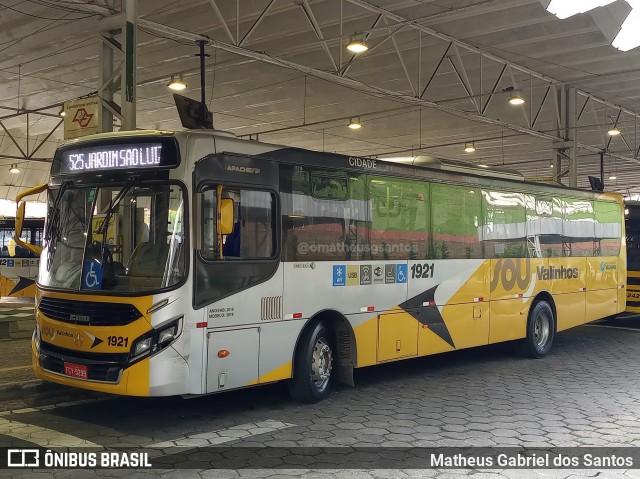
[81,117]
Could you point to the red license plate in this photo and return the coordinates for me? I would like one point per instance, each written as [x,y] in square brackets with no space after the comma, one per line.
[75,370]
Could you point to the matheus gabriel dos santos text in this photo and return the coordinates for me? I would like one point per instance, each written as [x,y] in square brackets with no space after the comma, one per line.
[530,460]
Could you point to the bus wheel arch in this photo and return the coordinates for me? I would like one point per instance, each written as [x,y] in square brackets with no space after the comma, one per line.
[542,325]
[339,347]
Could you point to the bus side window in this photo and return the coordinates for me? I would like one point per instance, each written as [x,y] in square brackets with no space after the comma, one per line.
[210,238]
[252,235]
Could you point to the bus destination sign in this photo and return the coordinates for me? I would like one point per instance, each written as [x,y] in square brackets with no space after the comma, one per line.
[111,157]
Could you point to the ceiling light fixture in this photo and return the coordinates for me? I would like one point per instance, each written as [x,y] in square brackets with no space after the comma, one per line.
[356,45]
[613,177]
[177,85]
[613,131]
[354,123]
[469,147]
[62,113]
[481,165]
[14,169]
[515,97]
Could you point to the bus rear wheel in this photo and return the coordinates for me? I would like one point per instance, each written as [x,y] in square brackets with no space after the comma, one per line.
[313,365]
[540,331]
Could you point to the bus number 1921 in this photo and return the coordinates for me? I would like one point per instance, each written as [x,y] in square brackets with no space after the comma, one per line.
[422,270]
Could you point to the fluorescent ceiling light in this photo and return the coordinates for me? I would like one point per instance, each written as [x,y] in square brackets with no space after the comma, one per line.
[515,98]
[357,46]
[354,123]
[176,85]
[568,8]
[613,177]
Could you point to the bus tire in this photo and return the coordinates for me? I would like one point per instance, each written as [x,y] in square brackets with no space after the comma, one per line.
[313,365]
[540,331]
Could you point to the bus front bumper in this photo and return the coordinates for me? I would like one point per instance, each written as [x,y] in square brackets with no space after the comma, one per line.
[165,374]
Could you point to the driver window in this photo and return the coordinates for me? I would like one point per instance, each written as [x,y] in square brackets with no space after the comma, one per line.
[253,225]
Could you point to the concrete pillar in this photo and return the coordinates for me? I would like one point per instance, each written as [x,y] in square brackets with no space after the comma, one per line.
[572,136]
[129,77]
[105,70]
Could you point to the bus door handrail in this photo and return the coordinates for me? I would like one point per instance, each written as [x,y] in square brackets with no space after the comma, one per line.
[20,213]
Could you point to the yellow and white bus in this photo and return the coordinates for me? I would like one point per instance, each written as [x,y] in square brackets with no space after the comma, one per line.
[193,262]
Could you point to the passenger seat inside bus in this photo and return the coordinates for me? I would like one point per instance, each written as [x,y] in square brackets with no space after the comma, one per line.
[147,264]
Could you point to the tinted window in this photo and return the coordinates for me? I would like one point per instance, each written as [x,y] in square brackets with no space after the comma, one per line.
[504,231]
[325,216]
[608,228]
[455,213]
[579,230]
[400,223]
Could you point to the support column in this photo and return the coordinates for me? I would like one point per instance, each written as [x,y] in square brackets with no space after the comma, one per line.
[105,72]
[129,78]
[559,123]
[572,136]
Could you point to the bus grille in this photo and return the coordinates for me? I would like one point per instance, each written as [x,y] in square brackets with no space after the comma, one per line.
[88,313]
[100,367]
[271,308]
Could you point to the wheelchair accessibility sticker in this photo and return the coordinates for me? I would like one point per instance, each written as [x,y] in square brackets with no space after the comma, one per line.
[92,276]
[401,273]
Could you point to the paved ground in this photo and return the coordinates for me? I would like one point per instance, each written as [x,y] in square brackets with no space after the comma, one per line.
[586,393]
[15,362]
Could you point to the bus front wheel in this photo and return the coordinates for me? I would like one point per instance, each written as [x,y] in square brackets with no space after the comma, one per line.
[540,331]
[313,365]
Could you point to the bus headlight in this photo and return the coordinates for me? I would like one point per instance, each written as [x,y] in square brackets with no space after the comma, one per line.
[155,340]
[142,346]
[168,334]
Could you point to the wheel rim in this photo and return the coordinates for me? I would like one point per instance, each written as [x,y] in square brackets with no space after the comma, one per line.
[541,330]
[322,364]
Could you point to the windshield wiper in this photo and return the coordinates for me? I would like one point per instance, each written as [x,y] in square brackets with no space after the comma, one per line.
[53,230]
[114,204]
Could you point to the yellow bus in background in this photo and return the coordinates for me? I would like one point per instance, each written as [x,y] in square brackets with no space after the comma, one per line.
[18,265]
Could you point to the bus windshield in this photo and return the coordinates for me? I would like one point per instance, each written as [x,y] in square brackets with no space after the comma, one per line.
[119,239]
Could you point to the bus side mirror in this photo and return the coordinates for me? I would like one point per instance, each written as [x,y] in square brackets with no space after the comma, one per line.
[225,216]
[20,213]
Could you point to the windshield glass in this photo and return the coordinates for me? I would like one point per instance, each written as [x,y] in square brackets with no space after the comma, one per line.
[121,239]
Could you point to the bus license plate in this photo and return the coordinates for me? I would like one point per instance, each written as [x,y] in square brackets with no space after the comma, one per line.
[75,370]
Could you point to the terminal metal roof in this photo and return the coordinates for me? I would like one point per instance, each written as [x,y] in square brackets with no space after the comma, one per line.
[437,75]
